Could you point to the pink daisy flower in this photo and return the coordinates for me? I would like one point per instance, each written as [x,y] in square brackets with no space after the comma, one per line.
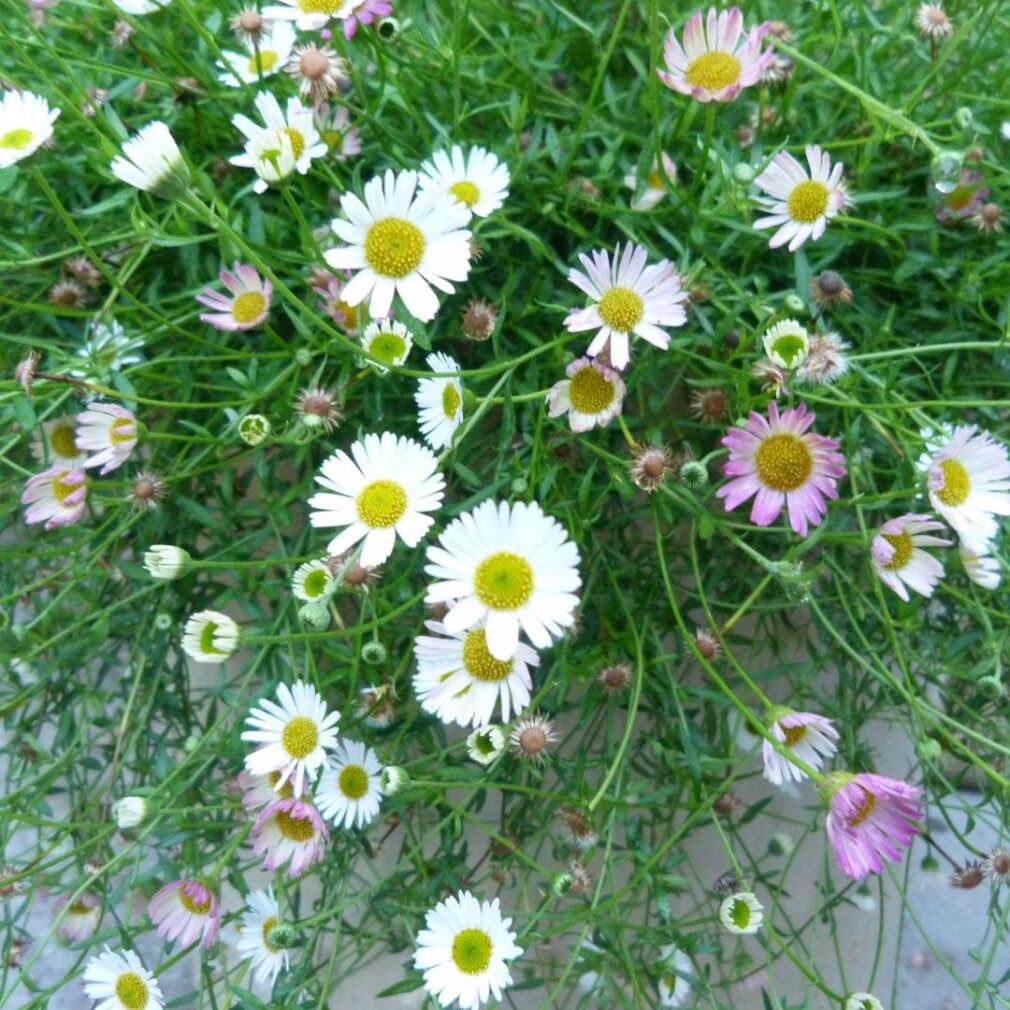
[262,790]
[290,830]
[186,911]
[781,463]
[711,66]
[330,288]
[869,817]
[591,395]
[897,559]
[108,433]
[364,13]
[342,139]
[248,306]
[80,918]
[810,737]
[56,496]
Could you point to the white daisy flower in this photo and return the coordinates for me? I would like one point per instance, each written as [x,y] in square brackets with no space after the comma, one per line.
[140,7]
[656,188]
[265,151]
[293,736]
[56,442]
[485,744]
[969,482]
[348,792]
[313,582]
[898,559]
[478,179]
[107,348]
[439,402]
[741,913]
[507,566]
[210,637]
[863,1001]
[151,161]
[674,978]
[460,681]
[463,949]
[800,205]
[80,920]
[812,738]
[383,491]
[400,243]
[310,15]
[389,341]
[109,433]
[591,395]
[259,918]
[981,568]
[628,298]
[120,982]
[26,123]
[787,343]
[266,58]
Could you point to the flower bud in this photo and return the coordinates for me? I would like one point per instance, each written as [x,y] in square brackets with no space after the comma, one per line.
[129,811]
[281,935]
[165,561]
[373,653]
[303,357]
[963,118]
[254,429]
[928,749]
[519,486]
[743,173]
[793,303]
[316,615]
[392,780]
[694,474]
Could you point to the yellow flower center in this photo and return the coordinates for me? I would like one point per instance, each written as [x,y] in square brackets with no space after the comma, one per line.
[621,309]
[793,734]
[248,307]
[286,791]
[16,140]
[450,401]
[132,991]
[959,198]
[956,483]
[295,829]
[261,62]
[80,908]
[808,201]
[655,180]
[269,924]
[207,645]
[62,441]
[394,247]
[471,951]
[331,138]
[864,811]
[465,192]
[353,782]
[300,737]
[479,662]
[297,141]
[740,914]
[783,462]
[713,71]
[590,392]
[388,347]
[116,434]
[329,7]
[316,583]
[503,581]
[902,544]
[196,907]
[381,504]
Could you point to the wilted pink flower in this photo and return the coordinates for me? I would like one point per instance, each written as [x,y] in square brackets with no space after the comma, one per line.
[964,200]
[186,911]
[810,737]
[780,463]
[330,287]
[364,13]
[899,561]
[869,817]
[249,305]
[56,496]
[108,433]
[290,830]
[81,917]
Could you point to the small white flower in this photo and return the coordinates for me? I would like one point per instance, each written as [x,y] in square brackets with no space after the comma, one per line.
[674,973]
[439,402]
[165,561]
[463,949]
[656,187]
[210,637]
[898,558]
[26,123]
[812,738]
[982,569]
[140,7]
[265,59]
[485,744]
[741,913]
[129,811]
[107,348]
[787,343]
[313,582]
[311,15]
[349,793]
[108,432]
[478,179]
[392,780]
[259,918]
[116,980]
[152,161]
[56,442]
[293,736]
[389,341]
[863,1001]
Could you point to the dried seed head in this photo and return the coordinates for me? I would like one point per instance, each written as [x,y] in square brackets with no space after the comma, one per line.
[615,679]
[829,289]
[699,291]
[746,135]
[84,271]
[780,30]
[709,405]
[356,577]
[997,865]
[932,22]
[121,33]
[988,218]
[24,371]
[93,866]
[707,643]
[479,319]
[148,491]
[15,951]
[969,876]
[582,879]
[577,827]
[476,251]
[650,465]
[377,706]
[91,101]
[248,25]
[10,888]
[68,294]
[531,738]
[319,71]
[318,408]
[727,804]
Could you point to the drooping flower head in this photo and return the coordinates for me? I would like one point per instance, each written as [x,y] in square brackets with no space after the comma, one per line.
[108,433]
[675,972]
[290,831]
[485,744]
[56,496]
[508,566]
[80,916]
[400,242]
[294,122]
[628,298]
[26,123]
[248,306]
[781,463]
[187,911]
[787,343]
[313,582]
[982,569]
[382,492]
[591,395]
[714,65]
[334,126]
[210,636]
[478,180]
[107,348]
[116,980]
[152,161]
[330,289]
[969,482]
[812,738]
[870,818]
[656,185]
[800,205]
[258,920]
[463,949]
[898,558]
[56,442]
[348,792]
[439,402]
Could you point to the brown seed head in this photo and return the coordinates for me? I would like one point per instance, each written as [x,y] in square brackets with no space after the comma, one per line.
[582,879]
[531,738]
[121,33]
[780,30]
[829,289]
[650,465]
[726,804]
[319,408]
[615,679]
[707,643]
[24,371]
[248,25]
[969,876]
[68,294]
[988,218]
[997,865]
[84,271]
[710,405]
[479,319]
[148,491]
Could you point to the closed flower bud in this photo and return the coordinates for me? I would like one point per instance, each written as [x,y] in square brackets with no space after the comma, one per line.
[165,561]
[743,173]
[254,429]
[928,749]
[315,615]
[793,303]
[373,653]
[129,811]
[392,779]
[694,474]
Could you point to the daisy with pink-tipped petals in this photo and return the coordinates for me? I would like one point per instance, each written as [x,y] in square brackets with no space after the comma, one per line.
[108,433]
[248,305]
[628,298]
[80,916]
[870,818]
[290,831]
[363,12]
[713,65]
[186,911]
[55,497]
[898,558]
[800,205]
[812,738]
[780,463]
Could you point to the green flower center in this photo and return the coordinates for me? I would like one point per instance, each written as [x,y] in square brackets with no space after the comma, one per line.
[248,307]
[381,504]
[450,401]
[471,951]
[394,247]
[207,645]
[621,309]
[503,581]
[808,201]
[783,462]
[956,483]
[788,348]
[483,743]
[479,662]
[740,913]
[902,544]
[316,583]
[261,62]
[388,347]
[713,71]
[16,140]
[300,737]
[465,192]
[590,392]
[295,829]
[353,782]
[62,441]
[132,991]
